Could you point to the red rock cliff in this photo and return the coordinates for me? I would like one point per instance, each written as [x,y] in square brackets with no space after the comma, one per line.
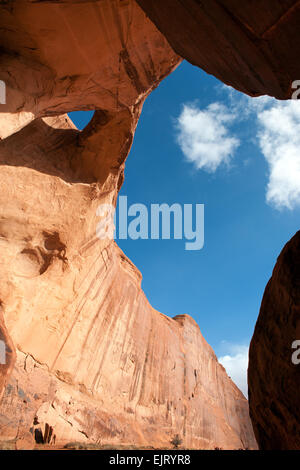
[94,361]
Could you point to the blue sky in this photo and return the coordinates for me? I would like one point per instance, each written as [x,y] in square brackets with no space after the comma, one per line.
[198,141]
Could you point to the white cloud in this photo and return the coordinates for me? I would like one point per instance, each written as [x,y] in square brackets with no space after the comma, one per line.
[278,136]
[236,364]
[204,137]
[279,141]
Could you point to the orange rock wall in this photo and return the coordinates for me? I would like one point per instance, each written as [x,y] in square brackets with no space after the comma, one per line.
[94,361]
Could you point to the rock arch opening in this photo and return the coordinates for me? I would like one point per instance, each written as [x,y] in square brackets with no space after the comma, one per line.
[51,181]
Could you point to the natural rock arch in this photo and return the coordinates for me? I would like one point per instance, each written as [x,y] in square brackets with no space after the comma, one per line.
[52,179]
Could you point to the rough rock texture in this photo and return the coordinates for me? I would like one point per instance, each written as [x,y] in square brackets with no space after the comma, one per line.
[250,45]
[274,381]
[94,360]
[58,57]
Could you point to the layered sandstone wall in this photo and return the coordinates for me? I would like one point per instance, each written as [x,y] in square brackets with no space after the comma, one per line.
[95,361]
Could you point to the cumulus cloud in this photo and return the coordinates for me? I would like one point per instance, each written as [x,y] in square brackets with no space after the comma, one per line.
[204,136]
[236,364]
[279,141]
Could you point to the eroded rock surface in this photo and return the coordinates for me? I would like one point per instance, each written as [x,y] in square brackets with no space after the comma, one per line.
[95,362]
[274,380]
[250,45]
[58,57]
[7,353]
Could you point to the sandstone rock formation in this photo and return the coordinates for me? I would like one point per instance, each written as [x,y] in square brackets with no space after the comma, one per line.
[274,380]
[7,362]
[94,361]
[250,45]
[253,46]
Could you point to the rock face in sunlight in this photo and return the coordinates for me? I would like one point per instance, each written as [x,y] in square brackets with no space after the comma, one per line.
[252,46]
[274,365]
